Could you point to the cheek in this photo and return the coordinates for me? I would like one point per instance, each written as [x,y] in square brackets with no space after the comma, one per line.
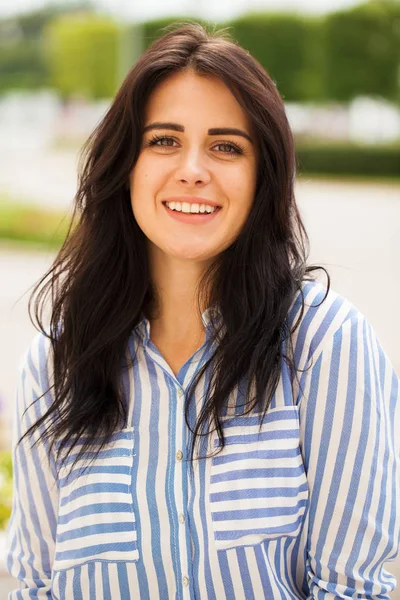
[146,179]
[140,185]
[243,187]
[143,170]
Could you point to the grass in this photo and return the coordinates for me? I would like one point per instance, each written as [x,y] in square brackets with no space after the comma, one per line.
[30,224]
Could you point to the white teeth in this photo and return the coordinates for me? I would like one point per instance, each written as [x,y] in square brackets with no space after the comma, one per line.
[188,208]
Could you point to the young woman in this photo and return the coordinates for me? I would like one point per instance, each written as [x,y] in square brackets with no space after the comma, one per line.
[201,419]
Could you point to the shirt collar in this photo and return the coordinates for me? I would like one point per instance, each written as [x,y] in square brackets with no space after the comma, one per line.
[209,315]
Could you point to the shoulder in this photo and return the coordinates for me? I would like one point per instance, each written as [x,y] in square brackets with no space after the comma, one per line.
[318,314]
[35,372]
[37,355]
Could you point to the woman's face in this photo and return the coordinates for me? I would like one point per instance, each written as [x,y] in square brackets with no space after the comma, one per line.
[186,157]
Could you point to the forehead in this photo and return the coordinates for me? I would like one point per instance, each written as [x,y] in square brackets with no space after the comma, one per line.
[188,96]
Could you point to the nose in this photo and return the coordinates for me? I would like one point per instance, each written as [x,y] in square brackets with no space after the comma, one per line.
[192,169]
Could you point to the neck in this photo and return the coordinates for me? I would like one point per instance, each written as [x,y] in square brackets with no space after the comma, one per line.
[176,316]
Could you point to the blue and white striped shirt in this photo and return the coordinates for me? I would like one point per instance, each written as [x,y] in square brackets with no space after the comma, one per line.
[310,508]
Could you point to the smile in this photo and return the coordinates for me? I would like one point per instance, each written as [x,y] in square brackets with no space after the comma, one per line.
[187,208]
[192,218]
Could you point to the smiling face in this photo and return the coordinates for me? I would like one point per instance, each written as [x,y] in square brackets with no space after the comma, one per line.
[186,157]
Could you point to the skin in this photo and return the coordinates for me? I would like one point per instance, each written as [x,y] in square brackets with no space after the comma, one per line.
[193,163]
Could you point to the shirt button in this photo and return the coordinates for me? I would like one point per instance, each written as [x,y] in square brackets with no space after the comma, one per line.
[180,393]
[181,518]
[179,455]
[185,580]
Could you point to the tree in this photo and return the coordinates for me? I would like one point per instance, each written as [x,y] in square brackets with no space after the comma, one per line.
[288,47]
[82,51]
[362,47]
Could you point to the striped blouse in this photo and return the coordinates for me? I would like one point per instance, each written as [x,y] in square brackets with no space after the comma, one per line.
[307,508]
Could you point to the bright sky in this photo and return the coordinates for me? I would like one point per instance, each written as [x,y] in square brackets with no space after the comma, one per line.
[209,9]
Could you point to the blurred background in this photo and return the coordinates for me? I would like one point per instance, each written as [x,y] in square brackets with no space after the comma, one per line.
[336,64]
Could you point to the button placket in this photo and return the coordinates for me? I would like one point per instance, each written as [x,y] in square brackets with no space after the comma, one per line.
[181,495]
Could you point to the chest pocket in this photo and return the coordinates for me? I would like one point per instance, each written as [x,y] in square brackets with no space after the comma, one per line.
[258,485]
[96,520]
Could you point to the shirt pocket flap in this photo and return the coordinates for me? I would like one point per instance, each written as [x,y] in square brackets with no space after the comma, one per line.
[96,519]
[258,485]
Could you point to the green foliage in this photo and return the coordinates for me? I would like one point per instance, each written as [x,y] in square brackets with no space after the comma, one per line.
[337,57]
[5,488]
[362,50]
[348,159]
[22,66]
[82,51]
[286,46]
[22,51]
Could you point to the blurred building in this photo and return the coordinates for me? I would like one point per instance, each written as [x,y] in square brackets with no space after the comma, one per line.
[364,120]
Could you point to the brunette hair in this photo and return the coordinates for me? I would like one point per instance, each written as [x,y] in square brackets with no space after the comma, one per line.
[100,284]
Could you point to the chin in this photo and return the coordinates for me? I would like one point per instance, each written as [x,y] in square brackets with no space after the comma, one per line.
[190,254]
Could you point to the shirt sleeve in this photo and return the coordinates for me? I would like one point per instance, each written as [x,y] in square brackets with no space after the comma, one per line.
[350,423]
[32,526]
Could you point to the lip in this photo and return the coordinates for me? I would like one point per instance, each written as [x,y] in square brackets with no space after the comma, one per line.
[191,200]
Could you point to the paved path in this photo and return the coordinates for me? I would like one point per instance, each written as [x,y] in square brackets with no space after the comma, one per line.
[48,177]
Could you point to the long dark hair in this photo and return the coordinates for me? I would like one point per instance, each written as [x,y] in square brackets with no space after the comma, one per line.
[100,284]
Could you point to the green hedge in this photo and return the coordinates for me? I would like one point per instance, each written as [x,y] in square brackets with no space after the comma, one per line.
[22,66]
[348,159]
[288,47]
[351,52]
[362,51]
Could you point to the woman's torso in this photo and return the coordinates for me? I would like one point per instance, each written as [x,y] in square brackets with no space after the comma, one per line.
[141,524]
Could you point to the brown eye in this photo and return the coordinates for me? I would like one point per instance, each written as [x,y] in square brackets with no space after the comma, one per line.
[232,148]
[156,141]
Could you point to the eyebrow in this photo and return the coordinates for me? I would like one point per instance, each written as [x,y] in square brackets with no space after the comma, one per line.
[213,131]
